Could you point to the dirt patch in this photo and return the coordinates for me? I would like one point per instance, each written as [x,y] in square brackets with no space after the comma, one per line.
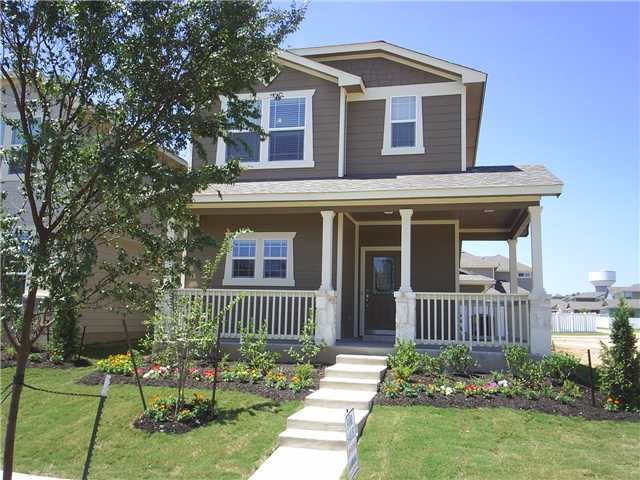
[259,388]
[82,362]
[151,426]
[579,344]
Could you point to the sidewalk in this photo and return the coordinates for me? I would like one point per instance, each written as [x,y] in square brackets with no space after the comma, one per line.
[26,476]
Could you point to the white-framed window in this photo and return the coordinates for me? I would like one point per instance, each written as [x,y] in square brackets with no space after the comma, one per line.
[524,274]
[261,259]
[287,117]
[403,134]
[245,144]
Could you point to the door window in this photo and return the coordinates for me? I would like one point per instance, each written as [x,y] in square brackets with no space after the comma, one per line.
[383,271]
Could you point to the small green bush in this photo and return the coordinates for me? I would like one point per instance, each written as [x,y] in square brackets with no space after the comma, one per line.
[309,349]
[405,356]
[432,365]
[516,356]
[302,377]
[403,373]
[255,352]
[35,357]
[391,388]
[560,366]
[458,359]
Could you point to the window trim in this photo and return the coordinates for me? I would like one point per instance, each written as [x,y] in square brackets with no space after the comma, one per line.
[263,157]
[387,149]
[259,279]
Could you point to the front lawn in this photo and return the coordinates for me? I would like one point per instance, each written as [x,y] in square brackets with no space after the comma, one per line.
[54,431]
[442,443]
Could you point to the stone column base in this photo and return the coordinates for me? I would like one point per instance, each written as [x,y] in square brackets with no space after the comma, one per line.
[540,325]
[405,315]
[326,319]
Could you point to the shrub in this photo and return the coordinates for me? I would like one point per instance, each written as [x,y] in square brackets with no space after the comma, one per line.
[571,389]
[532,374]
[402,373]
[302,377]
[255,352]
[432,365]
[619,375]
[65,330]
[405,356]
[309,349]
[391,388]
[35,357]
[560,366]
[516,356]
[119,364]
[457,359]
[9,352]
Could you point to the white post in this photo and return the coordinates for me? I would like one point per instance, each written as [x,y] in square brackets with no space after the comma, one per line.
[405,297]
[540,320]
[405,250]
[513,265]
[326,318]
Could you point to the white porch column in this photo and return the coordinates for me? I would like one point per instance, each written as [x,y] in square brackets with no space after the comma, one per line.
[326,318]
[405,297]
[513,265]
[540,320]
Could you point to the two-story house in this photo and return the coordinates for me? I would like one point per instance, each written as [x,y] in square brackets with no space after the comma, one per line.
[358,201]
[484,273]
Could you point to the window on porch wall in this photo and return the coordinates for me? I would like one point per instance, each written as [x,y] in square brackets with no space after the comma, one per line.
[244,259]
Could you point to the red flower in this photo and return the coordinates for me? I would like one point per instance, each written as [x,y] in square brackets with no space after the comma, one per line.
[207,372]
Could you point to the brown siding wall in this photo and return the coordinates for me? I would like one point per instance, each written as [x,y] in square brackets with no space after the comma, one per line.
[307,244]
[326,118]
[441,131]
[380,72]
[432,253]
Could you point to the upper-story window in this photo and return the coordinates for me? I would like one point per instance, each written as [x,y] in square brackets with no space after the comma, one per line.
[403,126]
[245,145]
[287,119]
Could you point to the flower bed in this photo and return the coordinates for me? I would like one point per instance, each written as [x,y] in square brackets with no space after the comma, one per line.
[445,380]
[281,384]
[162,415]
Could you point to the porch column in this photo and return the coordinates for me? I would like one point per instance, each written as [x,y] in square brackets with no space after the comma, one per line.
[405,297]
[326,318]
[513,265]
[540,320]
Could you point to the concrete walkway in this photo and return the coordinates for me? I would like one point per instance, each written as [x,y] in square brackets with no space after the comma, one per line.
[26,476]
[313,446]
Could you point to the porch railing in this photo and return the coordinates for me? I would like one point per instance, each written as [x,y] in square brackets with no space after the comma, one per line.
[475,319]
[284,312]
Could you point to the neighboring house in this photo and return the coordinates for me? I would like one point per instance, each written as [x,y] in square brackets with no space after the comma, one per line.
[494,270]
[103,322]
[583,302]
[632,296]
[358,201]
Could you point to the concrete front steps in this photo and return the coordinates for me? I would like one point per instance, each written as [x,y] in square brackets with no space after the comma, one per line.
[314,443]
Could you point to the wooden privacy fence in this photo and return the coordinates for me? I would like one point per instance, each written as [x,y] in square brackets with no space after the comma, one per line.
[284,312]
[574,322]
[475,319]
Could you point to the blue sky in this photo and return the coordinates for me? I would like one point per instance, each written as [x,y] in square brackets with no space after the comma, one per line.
[563,90]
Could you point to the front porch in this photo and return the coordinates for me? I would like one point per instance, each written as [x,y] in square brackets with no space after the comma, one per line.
[383,273]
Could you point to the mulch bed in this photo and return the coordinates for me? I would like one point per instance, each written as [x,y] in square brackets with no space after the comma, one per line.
[581,407]
[97,378]
[148,425]
[82,362]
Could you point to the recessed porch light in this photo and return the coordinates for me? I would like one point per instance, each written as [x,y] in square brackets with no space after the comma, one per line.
[389,213]
[489,210]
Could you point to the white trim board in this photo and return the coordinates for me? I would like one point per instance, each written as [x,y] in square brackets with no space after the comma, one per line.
[419,89]
[343,79]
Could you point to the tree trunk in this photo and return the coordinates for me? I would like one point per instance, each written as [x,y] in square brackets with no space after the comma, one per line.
[21,366]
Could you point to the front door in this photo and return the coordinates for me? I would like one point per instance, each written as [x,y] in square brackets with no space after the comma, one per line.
[382,279]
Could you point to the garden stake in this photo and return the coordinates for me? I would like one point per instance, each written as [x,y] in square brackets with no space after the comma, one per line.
[96,424]
[80,350]
[593,393]
[133,363]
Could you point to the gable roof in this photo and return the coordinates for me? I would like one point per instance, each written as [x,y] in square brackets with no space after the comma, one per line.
[467,75]
[499,262]
[352,83]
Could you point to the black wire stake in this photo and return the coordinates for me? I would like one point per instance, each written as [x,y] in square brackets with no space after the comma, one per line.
[133,364]
[593,393]
[96,424]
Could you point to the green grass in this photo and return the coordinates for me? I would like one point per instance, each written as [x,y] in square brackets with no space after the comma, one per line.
[54,431]
[437,443]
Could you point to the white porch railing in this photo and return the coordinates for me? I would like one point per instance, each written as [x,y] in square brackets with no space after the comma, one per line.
[475,319]
[283,311]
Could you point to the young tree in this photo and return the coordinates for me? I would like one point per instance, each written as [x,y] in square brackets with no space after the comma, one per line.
[101,91]
[619,374]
